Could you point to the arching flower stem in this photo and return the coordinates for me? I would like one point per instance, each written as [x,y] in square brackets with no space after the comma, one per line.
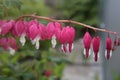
[68,21]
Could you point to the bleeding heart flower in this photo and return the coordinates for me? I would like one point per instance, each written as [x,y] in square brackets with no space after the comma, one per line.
[6,27]
[71,36]
[4,43]
[19,30]
[63,39]
[53,32]
[1,23]
[9,44]
[47,73]
[34,35]
[33,31]
[115,44]
[118,42]
[42,31]
[67,36]
[96,46]
[87,43]
[108,51]
[50,28]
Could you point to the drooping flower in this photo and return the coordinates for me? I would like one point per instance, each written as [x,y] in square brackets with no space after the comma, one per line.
[28,25]
[6,27]
[67,36]
[50,28]
[4,43]
[41,35]
[42,32]
[108,51]
[33,32]
[19,30]
[118,42]
[115,44]
[87,43]
[9,44]
[63,39]
[71,36]
[1,23]
[53,31]
[96,46]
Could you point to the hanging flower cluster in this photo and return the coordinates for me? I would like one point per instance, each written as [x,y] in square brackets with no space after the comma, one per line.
[36,32]
[9,44]
[95,42]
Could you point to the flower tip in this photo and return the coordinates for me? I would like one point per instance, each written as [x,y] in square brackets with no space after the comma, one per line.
[12,51]
[96,58]
[108,54]
[53,41]
[86,53]
[70,47]
[63,47]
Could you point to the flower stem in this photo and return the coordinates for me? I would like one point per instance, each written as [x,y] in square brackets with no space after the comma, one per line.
[68,21]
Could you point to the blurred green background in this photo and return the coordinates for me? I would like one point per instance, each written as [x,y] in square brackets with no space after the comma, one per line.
[29,63]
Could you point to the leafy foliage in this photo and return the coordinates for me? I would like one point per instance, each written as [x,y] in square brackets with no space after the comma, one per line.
[27,65]
[15,8]
[85,11]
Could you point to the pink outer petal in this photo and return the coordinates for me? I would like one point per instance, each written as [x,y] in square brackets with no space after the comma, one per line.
[63,36]
[33,22]
[6,27]
[33,31]
[96,45]
[108,43]
[58,30]
[50,30]
[2,22]
[19,27]
[4,43]
[8,42]
[12,43]
[87,40]
[42,31]
[71,34]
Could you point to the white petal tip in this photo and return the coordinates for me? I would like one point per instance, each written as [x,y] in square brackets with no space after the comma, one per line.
[12,51]
[89,52]
[110,53]
[54,42]
[84,51]
[22,39]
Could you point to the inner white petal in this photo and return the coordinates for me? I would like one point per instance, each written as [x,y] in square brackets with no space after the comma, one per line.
[89,52]
[72,46]
[53,41]
[22,39]
[93,54]
[12,51]
[37,43]
[67,47]
[110,53]
[33,41]
[98,54]
[84,52]
[106,53]
[62,46]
